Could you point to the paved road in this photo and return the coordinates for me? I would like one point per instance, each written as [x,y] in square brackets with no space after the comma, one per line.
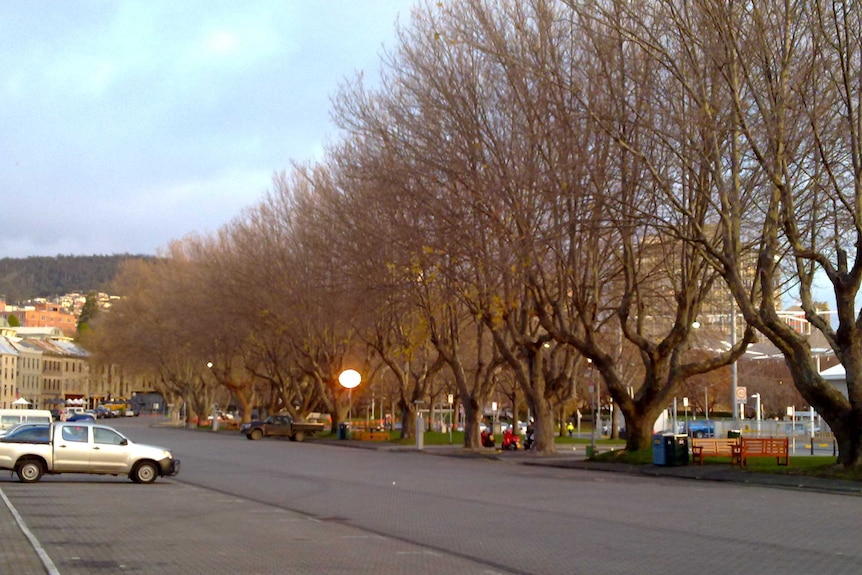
[280,507]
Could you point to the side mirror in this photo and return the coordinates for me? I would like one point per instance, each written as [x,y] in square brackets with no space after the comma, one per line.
[124,442]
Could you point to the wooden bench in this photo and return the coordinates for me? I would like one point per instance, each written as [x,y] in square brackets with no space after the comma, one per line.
[713,447]
[374,436]
[777,447]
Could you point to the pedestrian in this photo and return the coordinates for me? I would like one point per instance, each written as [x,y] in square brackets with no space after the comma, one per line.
[570,428]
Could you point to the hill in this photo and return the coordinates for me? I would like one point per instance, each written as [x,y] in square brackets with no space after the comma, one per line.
[25,278]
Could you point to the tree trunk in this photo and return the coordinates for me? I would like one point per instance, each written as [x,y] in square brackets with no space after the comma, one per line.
[408,419]
[544,428]
[472,436]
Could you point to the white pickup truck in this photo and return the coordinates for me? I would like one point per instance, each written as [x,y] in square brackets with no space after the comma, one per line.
[83,447]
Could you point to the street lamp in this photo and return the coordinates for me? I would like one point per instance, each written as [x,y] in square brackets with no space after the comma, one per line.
[734,374]
[594,394]
[757,414]
[215,405]
[349,378]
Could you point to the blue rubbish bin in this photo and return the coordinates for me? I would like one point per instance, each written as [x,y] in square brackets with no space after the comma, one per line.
[659,456]
[343,431]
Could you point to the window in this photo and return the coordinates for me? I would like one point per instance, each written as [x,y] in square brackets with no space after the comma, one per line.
[77,433]
[107,436]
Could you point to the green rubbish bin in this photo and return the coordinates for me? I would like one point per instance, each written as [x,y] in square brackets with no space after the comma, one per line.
[343,431]
[677,450]
[734,434]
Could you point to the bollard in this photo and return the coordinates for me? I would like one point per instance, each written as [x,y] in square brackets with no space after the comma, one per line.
[420,432]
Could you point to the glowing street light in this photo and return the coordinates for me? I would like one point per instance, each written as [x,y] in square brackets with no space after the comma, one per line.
[349,378]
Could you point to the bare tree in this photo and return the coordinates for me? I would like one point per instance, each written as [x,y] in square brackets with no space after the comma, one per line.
[772,91]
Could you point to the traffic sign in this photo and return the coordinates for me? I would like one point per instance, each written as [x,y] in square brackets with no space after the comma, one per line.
[741,395]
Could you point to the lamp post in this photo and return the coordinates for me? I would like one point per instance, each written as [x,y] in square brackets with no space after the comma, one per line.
[733,370]
[594,394]
[757,414]
[349,378]
[215,405]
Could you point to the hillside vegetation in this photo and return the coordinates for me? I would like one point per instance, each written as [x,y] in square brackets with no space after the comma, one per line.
[25,278]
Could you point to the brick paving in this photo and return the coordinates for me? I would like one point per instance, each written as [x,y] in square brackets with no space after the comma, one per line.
[17,553]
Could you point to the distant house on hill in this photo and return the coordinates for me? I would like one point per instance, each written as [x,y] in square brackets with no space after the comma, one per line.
[36,333]
[42,315]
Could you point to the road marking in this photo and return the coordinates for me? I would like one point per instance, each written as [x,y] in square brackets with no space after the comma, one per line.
[40,551]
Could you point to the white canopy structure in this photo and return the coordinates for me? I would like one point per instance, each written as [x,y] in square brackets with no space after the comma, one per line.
[837,377]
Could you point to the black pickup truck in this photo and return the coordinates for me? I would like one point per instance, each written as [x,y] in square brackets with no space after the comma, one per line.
[280,426]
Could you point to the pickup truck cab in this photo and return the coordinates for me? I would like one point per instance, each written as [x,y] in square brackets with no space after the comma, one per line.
[82,447]
[280,426]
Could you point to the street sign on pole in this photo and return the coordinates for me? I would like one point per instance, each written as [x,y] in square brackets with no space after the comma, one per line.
[741,395]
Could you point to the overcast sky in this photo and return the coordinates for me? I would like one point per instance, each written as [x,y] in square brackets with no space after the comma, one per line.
[126,124]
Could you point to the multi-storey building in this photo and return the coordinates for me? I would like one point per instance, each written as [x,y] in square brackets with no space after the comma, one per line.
[65,369]
[112,383]
[43,314]
[8,372]
[30,384]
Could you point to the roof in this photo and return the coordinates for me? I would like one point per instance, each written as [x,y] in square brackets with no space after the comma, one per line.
[7,348]
[834,373]
[39,332]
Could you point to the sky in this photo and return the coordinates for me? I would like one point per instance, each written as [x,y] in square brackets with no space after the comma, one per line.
[127,124]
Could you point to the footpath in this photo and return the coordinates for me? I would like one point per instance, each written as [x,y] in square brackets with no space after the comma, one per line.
[576,459]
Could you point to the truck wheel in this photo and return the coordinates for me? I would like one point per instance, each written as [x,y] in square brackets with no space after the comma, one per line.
[255,434]
[698,434]
[298,436]
[29,471]
[144,472]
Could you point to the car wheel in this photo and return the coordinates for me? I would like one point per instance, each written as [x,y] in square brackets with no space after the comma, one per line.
[255,434]
[698,434]
[29,471]
[145,472]
[298,436]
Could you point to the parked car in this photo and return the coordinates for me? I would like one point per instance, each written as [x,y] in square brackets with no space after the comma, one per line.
[103,412]
[81,417]
[701,428]
[28,433]
[280,425]
[86,448]
[18,427]
[223,417]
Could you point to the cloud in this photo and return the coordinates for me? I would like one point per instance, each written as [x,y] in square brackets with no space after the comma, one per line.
[129,124]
